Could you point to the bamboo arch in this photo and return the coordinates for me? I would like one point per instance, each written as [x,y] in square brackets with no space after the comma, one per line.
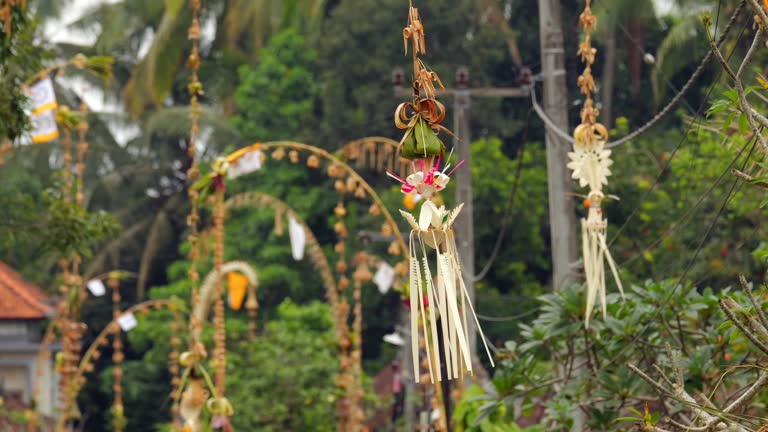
[317,257]
[318,152]
[350,414]
[94,350]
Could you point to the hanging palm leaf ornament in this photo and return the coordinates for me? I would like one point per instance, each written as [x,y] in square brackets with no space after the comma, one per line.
[437,291]
[590,163]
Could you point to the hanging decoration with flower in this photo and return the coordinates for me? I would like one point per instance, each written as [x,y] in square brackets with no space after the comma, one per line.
[436,292]
[590,163]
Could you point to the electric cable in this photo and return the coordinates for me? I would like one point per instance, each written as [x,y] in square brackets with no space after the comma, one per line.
[682,140]
[659,115]
[510,205]
[677,223]
[507,318]
[687,269]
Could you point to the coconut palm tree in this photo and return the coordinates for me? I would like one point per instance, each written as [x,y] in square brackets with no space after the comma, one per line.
[152,37]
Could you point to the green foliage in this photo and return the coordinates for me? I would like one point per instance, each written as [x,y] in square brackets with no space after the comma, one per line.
[594,361]
[72,230]
[521,269]
[19,59]
[673,215]
[474,415]
[284,380]
[41,222]
[276,98]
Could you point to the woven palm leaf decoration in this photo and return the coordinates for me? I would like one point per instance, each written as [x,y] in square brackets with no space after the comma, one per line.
[437,294]
[590,163]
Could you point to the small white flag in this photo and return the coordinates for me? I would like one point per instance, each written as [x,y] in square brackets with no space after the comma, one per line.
[127,321]
[248,163]
[394,339]
[384,277]
[298,238]
[96,287]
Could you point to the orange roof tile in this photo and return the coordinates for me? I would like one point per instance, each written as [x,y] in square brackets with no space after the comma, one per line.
[20,299]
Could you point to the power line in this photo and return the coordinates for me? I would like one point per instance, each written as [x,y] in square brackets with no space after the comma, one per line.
[682,140]
[661,114]
[676,224]
[510,205]
[507,318]
[638,45]
[696,253]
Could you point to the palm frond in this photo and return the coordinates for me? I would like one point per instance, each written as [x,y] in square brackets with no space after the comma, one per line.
[176,121]
[675,50]
[99,261]
[154,76]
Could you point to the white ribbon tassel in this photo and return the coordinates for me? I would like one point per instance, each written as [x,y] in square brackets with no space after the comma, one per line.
[595,252]
[446,296]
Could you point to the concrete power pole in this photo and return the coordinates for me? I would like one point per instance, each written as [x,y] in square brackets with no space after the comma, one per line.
[465,225]
[562,217]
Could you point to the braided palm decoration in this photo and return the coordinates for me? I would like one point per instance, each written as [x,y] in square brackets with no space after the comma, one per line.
[590,162]
[441,294]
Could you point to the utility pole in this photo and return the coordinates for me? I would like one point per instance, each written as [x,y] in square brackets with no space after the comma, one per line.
[464,226]
[562,216]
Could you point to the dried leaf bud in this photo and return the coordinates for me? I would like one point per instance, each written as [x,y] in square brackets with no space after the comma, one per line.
[333,170]
[340,211]
[360,192]
[351,184]
[341,229]
[313,161]
[386,230]
[401,268]
[394,248]
[341,266]
[374,210]
[293,155]
[340,186]
[343,285]
[362,274]
[339,248]
[278,154]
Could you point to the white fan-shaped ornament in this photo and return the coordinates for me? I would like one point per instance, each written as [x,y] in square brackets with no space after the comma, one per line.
[591,167]
[444,297]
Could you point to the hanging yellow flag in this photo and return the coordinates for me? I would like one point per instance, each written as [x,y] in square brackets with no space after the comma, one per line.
[237,284]
[43,114]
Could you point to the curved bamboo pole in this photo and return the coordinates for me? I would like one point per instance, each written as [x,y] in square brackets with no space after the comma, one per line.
[236,155]
[93,352]
[207,289]
[49,337]
[316,255]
